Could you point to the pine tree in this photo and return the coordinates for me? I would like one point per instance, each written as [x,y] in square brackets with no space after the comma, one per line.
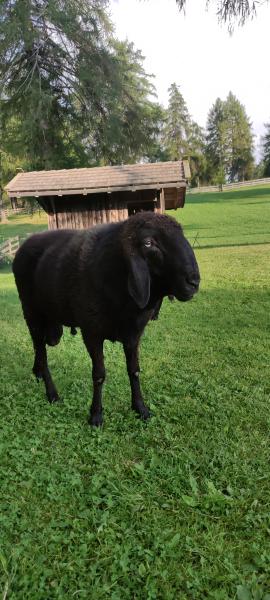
[178,125]
[239,140]
[216,147]
[1,172]
[229,141]
[230,11]
[131,129]
[54,60]
[71,95]
[196,154]
[266,151]
[182,137]
[1,188]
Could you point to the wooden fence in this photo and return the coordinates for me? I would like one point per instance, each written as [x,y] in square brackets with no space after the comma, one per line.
[229,186]
[9,247]
[9,212]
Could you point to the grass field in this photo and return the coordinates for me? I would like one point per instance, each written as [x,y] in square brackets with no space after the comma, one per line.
[178,508]
[23,225]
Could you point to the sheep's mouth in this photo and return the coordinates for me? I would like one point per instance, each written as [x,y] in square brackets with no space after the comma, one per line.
[186,288]
[186,296]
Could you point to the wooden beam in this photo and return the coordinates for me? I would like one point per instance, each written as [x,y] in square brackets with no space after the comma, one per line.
[87,192]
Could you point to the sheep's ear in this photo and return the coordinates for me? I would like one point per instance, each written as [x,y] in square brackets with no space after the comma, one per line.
[139,281]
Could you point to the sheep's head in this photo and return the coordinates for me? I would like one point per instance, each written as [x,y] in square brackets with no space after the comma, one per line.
[159,255]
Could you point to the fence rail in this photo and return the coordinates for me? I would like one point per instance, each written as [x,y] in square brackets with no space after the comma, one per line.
[229,186]
[9,247]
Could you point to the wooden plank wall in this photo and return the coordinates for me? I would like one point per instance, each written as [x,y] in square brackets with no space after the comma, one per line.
[72,217]
[82,212]
[174,198]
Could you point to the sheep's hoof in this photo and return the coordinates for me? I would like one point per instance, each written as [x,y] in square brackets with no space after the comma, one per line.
[37,373]
[95,420]
[143,413]
[54,397]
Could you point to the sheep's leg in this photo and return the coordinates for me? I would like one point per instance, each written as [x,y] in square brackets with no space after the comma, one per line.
[156,311]
[95,349]
[40,368]
[133,369]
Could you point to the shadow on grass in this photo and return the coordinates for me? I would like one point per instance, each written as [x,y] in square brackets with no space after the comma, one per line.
[258,203]
[209,197]
[228,245]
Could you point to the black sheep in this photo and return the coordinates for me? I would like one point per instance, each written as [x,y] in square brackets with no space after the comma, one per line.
[109,281]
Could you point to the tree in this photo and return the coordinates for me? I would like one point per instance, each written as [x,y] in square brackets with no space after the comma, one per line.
[71,94]
[229,141]
[230,11]
[53,58]
[216,151]
[178,125]
[182,137]
[239,140]
[1,188]
[266,151]
[196,154]
[1,174]
[9,165]
[131,128]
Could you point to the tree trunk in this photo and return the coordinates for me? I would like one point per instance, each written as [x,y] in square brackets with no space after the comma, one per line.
[2,214]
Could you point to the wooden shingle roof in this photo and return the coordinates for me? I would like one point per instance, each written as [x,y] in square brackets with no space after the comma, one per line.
[99,179]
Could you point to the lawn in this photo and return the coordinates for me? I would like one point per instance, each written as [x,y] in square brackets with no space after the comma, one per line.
[23,225]
[178,508]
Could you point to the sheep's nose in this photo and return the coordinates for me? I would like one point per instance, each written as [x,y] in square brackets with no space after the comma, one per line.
[193,280]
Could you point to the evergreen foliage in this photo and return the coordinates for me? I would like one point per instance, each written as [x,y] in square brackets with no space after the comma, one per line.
[131,127]
[239,140]
[196,154]
[71,95]
[215,142]
[229,141]
[53,57]
[178,125]
[266,151]
[183,138]
[230,11]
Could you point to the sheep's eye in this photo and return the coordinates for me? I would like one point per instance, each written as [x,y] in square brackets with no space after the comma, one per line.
[148,243]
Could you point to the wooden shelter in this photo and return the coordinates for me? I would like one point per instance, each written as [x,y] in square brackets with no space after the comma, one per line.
[82,198]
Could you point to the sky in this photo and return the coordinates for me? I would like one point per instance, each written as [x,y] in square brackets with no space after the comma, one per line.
[196,52]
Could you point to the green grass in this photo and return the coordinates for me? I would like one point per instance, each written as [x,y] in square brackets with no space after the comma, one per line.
[22,225]
[178,508]
[228,218]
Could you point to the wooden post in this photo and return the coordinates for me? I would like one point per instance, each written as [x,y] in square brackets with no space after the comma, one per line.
[55,220]
[108,208]
[104,216]
[157,202]
[162,201]
[2,212]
